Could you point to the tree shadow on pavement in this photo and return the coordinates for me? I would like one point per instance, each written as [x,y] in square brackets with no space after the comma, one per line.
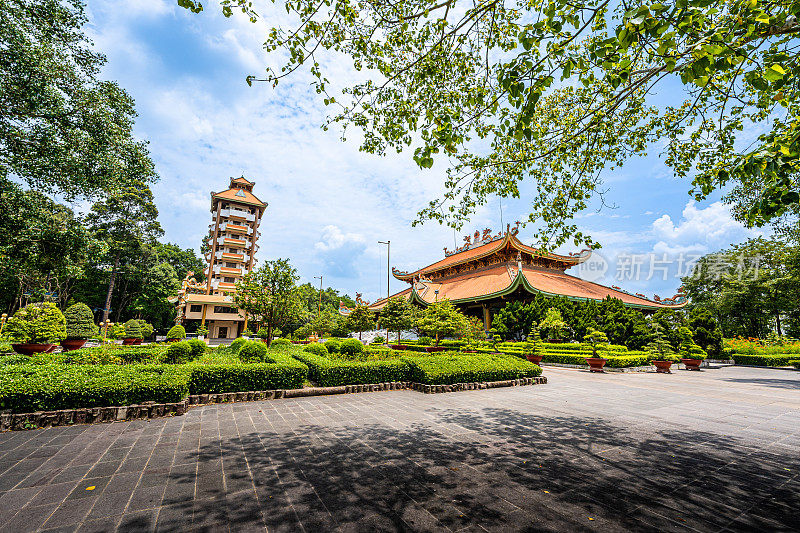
[498,469]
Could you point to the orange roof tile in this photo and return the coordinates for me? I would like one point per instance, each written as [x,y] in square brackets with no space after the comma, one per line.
[495,280]
[489,248]
[248,198]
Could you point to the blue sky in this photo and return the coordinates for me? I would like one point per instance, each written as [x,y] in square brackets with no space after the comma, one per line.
[329,204]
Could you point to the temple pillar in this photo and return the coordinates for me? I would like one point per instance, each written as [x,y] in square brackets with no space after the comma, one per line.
[487,318]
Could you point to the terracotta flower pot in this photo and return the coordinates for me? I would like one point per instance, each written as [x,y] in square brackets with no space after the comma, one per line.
[431,349]
[692,364]
[31,348]
[398,346]
[72,344]
[596,364]
[131,342]
[535,358]
[662,367]
[264,341]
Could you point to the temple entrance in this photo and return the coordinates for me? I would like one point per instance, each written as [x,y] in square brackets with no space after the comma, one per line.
[222,332]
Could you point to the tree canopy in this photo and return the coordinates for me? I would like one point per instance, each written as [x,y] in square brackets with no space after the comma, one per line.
[268,295]
[62,129]
[558,91]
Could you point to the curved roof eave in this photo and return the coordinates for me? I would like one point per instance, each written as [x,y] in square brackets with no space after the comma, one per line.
[508,238]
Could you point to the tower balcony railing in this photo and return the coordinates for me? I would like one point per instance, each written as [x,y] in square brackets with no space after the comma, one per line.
[236,228]
[237,213]
[236,243]
[230,256]
[221,285]
[218,269]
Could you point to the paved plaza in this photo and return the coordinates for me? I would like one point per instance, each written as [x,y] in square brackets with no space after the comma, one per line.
[707,451]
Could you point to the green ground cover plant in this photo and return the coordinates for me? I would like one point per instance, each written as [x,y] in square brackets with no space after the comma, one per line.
[462,368]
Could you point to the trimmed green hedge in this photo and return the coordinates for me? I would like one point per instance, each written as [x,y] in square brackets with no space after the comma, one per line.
[332,372]
[613,361]
[763,360]
[28,388]
[448,369]
[284,374]
[795,363]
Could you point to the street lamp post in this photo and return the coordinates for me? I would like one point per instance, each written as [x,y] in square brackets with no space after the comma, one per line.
[388,269]
[319,301]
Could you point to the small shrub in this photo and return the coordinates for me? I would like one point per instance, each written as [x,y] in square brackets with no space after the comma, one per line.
[147,329]
[316,348]
[795,363]
[262,333]
[133,330]
[237,345]
[202,331]
[40,323]
[176,332]
[425,341]
[351,347]
[197,347]
[254,352]
[79,322]
[179,353]
[332,345]
[280,344]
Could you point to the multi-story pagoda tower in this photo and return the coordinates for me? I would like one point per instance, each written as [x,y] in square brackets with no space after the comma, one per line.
[233,232]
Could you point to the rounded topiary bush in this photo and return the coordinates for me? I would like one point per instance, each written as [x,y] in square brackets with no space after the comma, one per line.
[253,352]
[178,353]
[316,348]
[147,329]
[280,343]
[79,322]
[197,347]
[37,323]
[332,345]
[133,330]
[351,347]
[237,345]
[176,332]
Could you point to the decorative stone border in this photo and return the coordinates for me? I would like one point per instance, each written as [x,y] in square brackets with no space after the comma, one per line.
[95,415]
[90,415]
[455,387]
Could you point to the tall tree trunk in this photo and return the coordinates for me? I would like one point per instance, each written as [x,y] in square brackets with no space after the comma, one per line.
[269,334]
[778,322]
[106,309]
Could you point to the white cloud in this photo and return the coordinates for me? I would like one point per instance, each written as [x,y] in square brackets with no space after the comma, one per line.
[700,227]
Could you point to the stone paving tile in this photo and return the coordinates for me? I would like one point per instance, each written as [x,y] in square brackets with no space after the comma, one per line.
[709,451]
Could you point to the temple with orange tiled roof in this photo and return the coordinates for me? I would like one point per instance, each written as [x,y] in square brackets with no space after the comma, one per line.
[489,271]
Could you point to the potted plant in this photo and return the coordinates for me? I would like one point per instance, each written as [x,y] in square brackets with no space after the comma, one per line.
[262,334]
[554,324]
[35,328]
[80,326]
[662,355]
[494,339]
[202,331]
[596,339]
[133,333]
[247,333]
[176,333]
[691,354]
[532,349]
